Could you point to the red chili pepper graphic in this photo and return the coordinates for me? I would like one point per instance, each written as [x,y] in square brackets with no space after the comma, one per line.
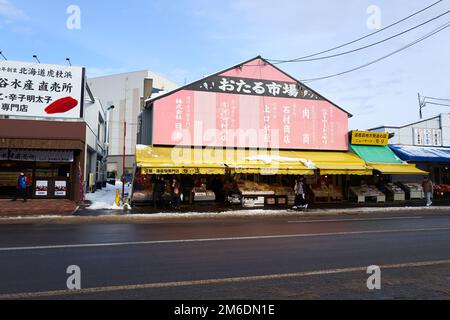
[62,105]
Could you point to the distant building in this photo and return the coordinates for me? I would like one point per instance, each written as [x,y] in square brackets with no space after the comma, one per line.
[425,143]
[126,92]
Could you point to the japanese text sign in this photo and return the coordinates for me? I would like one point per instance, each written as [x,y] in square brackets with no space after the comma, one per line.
[40,90]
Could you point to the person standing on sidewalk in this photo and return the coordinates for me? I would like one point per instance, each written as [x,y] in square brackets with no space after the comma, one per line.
[176,194]
[427,186]
[300,194]
[21,187]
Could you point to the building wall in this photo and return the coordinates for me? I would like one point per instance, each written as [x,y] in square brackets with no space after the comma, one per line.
[52,135]
[405,135]
[95,150]
[125,92]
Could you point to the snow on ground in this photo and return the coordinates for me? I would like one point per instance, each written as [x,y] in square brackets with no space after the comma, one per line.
[261,212]
[105,198]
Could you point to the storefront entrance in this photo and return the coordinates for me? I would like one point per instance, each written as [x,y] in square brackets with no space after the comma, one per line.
[47,180]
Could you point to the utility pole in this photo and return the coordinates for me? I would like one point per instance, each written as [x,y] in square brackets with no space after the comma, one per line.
[421,105]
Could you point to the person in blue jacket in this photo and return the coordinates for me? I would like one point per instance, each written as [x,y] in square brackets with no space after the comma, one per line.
[21,187]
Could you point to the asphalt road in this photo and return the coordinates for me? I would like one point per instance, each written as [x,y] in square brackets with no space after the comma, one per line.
[267,258]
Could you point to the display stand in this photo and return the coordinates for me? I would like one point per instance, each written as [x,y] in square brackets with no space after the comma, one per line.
[364,192]
[413,190]
[394,192]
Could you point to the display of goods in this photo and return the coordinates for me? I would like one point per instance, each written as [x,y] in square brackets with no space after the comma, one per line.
[413,186]
[282,191]
[368,191]
[254,186]
[394,188]
[442,188]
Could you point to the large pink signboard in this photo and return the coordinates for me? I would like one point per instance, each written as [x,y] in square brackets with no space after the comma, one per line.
[236,109]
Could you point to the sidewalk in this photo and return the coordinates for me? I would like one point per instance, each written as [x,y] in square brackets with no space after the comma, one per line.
[36,207]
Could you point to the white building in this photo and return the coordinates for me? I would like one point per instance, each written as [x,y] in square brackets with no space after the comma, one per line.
[126,92]
[95,152]
[425,143]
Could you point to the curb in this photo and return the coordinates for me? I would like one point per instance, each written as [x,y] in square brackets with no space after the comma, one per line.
[186,217]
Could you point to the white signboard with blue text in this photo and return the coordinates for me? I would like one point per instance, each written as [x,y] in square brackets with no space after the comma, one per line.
[41,90]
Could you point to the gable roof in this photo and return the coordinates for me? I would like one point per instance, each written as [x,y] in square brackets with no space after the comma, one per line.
[151,100]
[406,125]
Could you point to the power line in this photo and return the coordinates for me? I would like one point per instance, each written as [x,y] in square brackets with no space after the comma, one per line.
[437,30]
[438,104]
[370,45]
[439,99]
[361,38]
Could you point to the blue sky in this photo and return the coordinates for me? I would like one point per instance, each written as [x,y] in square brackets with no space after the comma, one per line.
[187,39]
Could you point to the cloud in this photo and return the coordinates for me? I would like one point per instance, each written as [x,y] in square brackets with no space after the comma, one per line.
[9,13]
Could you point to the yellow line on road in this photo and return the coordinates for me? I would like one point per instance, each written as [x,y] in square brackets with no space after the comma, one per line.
[61,293]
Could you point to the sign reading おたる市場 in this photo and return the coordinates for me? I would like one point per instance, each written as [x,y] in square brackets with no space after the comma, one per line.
[251,106]
[40,90]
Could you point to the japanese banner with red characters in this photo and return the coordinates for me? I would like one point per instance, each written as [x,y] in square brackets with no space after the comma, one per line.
[244,110]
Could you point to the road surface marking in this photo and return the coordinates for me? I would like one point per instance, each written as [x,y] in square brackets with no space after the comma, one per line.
[355,219]
[60,293]
[287,236]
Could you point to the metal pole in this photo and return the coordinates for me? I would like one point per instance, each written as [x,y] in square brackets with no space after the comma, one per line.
[420,106]
[123,160]
[124,141]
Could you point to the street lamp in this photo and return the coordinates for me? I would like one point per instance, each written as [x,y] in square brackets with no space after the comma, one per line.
[1,54]
[37,59]
[68,60]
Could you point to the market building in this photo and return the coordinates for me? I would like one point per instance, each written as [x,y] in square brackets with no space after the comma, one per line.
[126,92]
[52,129]
[426,144]
[393,179]
[250,129]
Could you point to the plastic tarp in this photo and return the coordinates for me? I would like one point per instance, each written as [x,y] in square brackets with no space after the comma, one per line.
[422,154]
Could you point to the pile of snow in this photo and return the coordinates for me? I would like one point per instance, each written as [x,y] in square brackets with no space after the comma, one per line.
[106,198]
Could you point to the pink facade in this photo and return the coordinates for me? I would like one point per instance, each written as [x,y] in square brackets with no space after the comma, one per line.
[234,109]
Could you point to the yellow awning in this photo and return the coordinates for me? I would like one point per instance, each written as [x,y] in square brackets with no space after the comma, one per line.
[335,163]
[178,160]
[168,161]
[394,168]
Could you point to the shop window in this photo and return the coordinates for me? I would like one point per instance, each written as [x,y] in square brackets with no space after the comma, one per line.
[62,171]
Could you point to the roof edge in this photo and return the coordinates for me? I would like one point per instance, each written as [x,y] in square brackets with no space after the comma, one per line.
[238,65]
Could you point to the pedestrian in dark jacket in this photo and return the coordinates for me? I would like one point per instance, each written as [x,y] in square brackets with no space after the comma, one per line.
[21,187]
[300,194]
[176,194]
[427,186]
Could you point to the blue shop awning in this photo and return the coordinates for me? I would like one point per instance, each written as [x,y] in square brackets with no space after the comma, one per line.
[422,154]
